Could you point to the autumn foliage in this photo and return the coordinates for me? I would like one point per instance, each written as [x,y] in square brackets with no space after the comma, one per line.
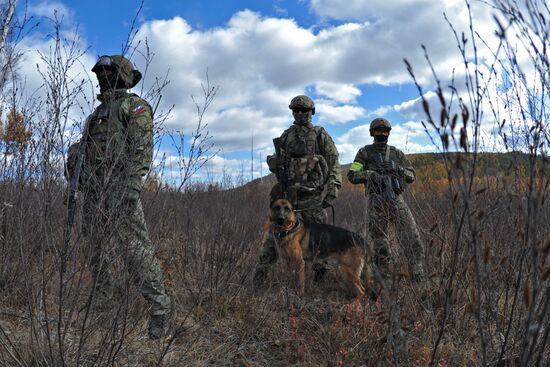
[13,130]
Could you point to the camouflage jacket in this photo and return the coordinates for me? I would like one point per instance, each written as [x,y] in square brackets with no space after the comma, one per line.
[119,146]
[364,164]
[317,144]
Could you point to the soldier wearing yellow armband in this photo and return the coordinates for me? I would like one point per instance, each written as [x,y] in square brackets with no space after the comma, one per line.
[385,172]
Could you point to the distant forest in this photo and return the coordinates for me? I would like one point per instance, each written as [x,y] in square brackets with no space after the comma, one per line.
[432,165]
[432,169]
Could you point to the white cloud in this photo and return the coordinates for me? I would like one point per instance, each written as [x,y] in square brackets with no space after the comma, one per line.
[261,62]
[412,22]
[392,31]
[347,152]
[413,108]
[50,8]
[338,114]
[380,111]
[344,93]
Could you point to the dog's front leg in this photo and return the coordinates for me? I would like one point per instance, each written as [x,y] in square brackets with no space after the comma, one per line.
[298,267]
[300,276]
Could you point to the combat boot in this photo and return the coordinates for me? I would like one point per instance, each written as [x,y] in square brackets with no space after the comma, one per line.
[158,326]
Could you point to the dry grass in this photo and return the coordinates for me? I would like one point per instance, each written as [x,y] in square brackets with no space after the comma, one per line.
[209,242]
[486,300]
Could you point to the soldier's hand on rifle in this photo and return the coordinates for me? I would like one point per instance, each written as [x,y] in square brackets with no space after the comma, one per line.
[388,167]
[329,199]
[374,177]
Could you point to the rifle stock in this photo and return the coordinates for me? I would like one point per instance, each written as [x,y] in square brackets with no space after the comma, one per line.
[282,168]
[73,188]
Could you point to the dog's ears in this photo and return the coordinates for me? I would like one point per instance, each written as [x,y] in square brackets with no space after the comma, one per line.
[278,193]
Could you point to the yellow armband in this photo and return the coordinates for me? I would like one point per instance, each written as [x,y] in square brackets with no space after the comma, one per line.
[356,166]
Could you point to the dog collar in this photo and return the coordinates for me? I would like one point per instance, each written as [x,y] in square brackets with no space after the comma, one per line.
[284,233]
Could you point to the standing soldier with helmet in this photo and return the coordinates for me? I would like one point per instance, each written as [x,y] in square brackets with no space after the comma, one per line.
[118,151]
[306,160]
[385,172]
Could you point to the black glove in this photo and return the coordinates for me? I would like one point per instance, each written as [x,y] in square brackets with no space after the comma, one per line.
[373,177]
[329,199]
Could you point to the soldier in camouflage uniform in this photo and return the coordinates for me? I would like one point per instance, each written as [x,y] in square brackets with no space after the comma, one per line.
[385,171]
[119,151]
[308,162]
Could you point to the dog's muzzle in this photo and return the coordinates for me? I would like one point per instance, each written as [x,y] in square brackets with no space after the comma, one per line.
[281,221]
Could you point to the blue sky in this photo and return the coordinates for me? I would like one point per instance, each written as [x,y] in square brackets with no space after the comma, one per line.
[200,14]
[346,54]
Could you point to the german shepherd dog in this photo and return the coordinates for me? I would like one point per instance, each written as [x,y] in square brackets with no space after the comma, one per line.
[298,242]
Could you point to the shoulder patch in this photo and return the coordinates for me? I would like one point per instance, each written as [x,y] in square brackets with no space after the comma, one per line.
[138,110]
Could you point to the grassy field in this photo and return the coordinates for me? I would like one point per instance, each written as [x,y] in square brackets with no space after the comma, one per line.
[485,300]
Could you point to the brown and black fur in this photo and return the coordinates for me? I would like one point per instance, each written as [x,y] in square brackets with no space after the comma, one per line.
[298,242]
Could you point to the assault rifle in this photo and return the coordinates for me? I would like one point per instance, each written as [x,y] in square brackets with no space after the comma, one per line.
[390,187]
[74,179]
[282,166]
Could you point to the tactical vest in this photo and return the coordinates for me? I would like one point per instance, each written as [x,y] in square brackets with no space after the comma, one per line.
[374,159]
[307,169]
[106,146]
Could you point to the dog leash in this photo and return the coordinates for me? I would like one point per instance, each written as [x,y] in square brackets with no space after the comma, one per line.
[332,208]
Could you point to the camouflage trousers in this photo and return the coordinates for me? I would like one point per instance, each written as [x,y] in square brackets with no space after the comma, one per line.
[269,255]
[382,216]
[116,228]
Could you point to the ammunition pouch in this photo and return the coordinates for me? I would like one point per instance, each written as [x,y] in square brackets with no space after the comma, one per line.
[308,173]
[298,148]
[298,163]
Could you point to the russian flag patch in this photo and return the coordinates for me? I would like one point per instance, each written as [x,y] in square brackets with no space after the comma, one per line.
[138,110]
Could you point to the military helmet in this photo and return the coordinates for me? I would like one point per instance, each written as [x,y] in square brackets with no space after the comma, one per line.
[302,101]
[379,123]
[122,65]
